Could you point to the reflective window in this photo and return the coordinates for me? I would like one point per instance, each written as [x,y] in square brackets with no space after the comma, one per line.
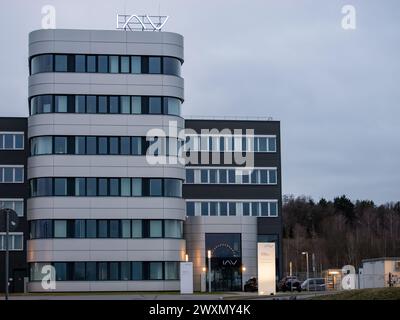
[190,209]
[155,228]
[91,104]
[80,63]
[173,106]
[155,105]
[171,66]
[79,271]
[154,65]
[137,229]
[102,64]
[114,187]
[61,63]
[102,145]
[114,64]
[126,228]
[91,63]
[80,104]
[114,271]
[60,228]
[155,187]
[125,104]
[136,64]
[125,271]
[42,63]
[102,185]
[189,176]
[172,188]
[61,271]
[114,228]
[102,107]
[137,271]
[102,229]
[91,271]
[136,145]
[60,145]
[136,105]
[114,145]
[60,186]
[91,228]
[156,271]
[102,271]
[136,187]
[125,65]
[114,104]
[171,270]
[79,229]
[41,145]
[125,145]
[80,145]
[125,187]
[91,145]
[91,187]
[173,229]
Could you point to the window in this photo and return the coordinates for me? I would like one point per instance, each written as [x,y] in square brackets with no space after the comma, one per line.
[272,144]
[264,209]
[11,141]
[125,65]
[79,271]
[172,187]
[91,145]
[103,145]
[60,228]
[136,187]
[91,272]
[262,144]
[155,105]
[126,228]
[246,208]
[15,241]
[204,176]
[60,186]
[16,205]
[154,65]
[44,104]
[91,187]
[223,208]
[61,63]
[114,64]
[213,175]
[125,104]
[102,64]
[42,63]
[79,229]
[171,66]
[273,209]
[255,209]
[114,187]
[80,104]
[11,174]
[102,271]
[204,208]
[190,210]
[173,229]
[80,145]
[232,209]
[171,270]
[61,103]
[61,271]
[60,145]
[41,145]
[136,64]
[155,228]
[114,271]
[189,176]
[91,104]
[114,228]
[114,142]
[80,63]
[125,187]
[155,187]
[91,63]
[125,145]
[114,104]
[173,106]
[272,176]
[103,187]
[156,270]
[213,208]
[137,146]
[102,108]
[136,105]
[137,271]
[137,229]
[222,176]
[91,229]
[102,229]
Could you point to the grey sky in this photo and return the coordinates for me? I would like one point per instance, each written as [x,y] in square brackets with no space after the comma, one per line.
[334,91]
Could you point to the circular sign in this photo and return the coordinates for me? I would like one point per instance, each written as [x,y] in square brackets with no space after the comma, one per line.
[13,220]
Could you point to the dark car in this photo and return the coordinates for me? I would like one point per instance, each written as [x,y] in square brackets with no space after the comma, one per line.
[251,285]
[289,284]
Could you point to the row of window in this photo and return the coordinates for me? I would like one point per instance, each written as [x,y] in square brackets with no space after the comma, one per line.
[15,204]
[93,145]
[231,176]
[230,143]
[105,104]
[15,241]
[105,64]
[11,141]
[106,187]
[91,229]
[232,208]
[11,174]
[108,271]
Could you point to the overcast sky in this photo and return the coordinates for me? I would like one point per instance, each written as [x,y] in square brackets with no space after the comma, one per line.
[335,91]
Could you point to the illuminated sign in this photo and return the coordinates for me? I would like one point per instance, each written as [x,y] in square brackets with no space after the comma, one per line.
[140,23]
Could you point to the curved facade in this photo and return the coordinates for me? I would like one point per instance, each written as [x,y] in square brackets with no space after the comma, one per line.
[101,262]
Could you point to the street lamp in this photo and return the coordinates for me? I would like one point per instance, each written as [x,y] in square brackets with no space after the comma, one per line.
[209,270]
[308,282]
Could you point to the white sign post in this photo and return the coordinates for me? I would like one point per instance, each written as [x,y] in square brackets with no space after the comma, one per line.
[266,268]
[186,278]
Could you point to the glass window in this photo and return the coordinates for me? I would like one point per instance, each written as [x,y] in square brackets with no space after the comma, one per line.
[60,145]
[80,145]
[136,105]
[204,208]
[173,188]
[173,229]
[102,271]
[114,187]
[272,144]
[137,229]
[232,208]
[125,145]
[102,229]
[60,186]
[60,228]
[156,271]
[272,176]
[254,176]
[246,208]
[91,187]
[154,65]
[137,187]
[155,228]
[264,209]
[171,270]
[262,144]
[231,176]
[79,271]
[125,65]
[91,274]
[19,175]
[91,104]
[222,176]
[137,146]
[91,145]
[263,176]
[61,103]
[204,176]
[155,105]
[114,64]
[190,209]
[79,228]
[136,64]
[80,104]
[213,208]
[91,229]
[61,271]
[114,104]
[114,143]
[173,106]
[223,208]
[114,229]
[45,104]
[102,100]
[41,145]
[189,176]
[171,66]
[8,141]
[103,145]
[8,175]
[125,187]
[213,175]
[273,209]
[91,63]
[80,63]
[114,271]
[255,209]
[102,64]
[42,63]
[44,187]
[137,271]
[125,104]
[61,63]
[125,271]
[103,187]
[126,228]
[155,187]
[19,141]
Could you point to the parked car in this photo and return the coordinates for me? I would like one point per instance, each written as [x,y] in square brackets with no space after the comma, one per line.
[289,284]
[314,284]
[251,285]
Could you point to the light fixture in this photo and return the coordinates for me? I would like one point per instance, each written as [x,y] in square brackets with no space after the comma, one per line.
[186,257]
[204,269]
[209,254]
[243,268]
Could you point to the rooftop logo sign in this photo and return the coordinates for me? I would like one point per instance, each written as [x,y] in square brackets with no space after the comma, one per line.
[140,23]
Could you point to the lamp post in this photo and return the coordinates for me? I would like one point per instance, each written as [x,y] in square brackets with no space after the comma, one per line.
[209,270]
[308,282]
